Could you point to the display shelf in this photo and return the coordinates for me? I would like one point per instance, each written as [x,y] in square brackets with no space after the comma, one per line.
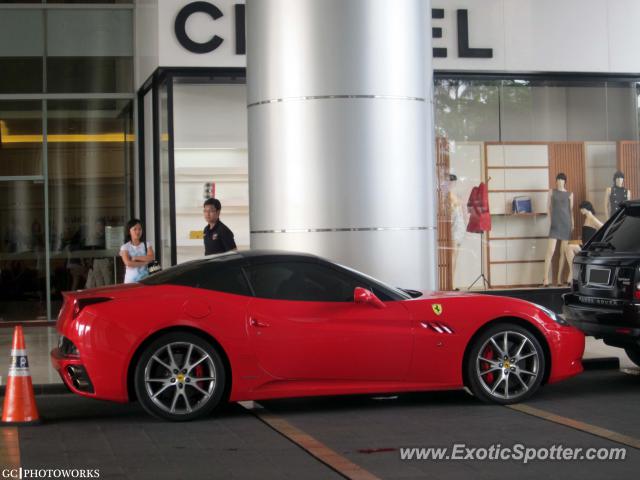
[517,169]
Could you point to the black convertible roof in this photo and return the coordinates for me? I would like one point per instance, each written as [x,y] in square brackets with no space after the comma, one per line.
[230,259]
[253,255]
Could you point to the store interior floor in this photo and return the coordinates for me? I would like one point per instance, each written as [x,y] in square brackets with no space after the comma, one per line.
[40,341]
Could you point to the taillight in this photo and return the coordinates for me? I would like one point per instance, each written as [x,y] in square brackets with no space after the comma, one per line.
[80,303]
[636,294]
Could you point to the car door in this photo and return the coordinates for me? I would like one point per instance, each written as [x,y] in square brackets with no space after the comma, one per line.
[303,324]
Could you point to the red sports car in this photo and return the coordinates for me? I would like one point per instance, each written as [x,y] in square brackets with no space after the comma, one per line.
[256,325]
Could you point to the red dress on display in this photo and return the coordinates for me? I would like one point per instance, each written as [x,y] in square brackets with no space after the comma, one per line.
[478,206]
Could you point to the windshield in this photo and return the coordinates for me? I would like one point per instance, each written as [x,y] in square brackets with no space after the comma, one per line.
[378,283]
[623,233]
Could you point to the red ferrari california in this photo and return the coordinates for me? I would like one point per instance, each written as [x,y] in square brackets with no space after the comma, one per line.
[258,324]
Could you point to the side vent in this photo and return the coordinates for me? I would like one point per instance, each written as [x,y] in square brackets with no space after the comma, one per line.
[437,327]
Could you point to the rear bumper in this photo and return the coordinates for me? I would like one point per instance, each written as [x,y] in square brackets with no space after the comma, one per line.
[73,373]
[618,326]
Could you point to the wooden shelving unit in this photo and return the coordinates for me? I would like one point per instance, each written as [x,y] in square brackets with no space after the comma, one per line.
[514,250]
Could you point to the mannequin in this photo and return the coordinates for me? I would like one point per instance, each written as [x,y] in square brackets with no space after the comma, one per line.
[589,229]
[616,194]
[560,211]
[458,223]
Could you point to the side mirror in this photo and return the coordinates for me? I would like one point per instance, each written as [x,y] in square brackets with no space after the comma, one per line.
[362,295]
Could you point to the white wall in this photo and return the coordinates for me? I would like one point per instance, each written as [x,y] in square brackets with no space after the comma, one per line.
[210,115]
[200,28]
[146,31]
[544,35]
[525,35]
[157,45]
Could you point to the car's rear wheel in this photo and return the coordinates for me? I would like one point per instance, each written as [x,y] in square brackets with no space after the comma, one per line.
[179,377]
[634,354]
[506,364]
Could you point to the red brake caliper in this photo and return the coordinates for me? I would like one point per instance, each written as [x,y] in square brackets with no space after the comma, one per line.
[488,354]
[199,371]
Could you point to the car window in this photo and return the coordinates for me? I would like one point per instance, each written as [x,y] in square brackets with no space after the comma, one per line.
[623,232]
[210,276]
[382,291]
[302,281]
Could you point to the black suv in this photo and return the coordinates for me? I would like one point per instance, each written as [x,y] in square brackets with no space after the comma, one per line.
[605,293]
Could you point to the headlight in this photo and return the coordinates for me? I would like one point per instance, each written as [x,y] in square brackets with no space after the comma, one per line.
[552,315]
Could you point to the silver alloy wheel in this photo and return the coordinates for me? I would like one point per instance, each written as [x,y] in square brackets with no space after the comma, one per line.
[180,378]
[507,365]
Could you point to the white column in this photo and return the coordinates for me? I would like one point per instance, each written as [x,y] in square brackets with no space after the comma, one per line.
[341,160]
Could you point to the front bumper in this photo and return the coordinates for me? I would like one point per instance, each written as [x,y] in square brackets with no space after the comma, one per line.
[567,349]
[617,325]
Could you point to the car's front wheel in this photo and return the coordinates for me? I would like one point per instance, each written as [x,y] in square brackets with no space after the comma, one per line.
[506,364]
[179,377]
[634,354]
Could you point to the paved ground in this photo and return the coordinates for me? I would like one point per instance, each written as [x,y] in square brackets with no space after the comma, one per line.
[124,443]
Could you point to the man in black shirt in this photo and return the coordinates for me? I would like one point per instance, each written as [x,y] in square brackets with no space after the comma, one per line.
[218,238]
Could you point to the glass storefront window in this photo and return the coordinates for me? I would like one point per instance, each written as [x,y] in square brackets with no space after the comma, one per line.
[22,251]
[513,138]
[90,153]
[211,159]
[89,51]
[163,251]
[20,138]
[21,51]
[66,166]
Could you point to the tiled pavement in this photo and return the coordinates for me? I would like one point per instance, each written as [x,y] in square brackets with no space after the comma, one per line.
[124,443]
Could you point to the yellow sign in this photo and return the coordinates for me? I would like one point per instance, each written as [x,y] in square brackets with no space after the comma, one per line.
[437,308]
[196,235]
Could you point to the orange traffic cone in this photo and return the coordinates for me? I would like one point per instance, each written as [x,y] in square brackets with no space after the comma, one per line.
[19,401]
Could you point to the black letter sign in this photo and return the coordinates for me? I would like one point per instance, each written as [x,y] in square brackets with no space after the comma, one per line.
[181,27]
[464,51]
[438,13]
[241,47]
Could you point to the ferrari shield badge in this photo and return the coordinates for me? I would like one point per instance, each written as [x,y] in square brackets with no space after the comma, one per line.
[437,308]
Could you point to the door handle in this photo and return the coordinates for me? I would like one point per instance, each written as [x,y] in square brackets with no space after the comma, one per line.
[257,323]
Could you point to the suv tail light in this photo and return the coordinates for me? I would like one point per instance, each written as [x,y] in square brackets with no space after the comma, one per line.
[636,294]
[80,303]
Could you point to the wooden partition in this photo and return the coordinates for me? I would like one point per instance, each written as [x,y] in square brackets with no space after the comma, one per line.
[629,163]
[569,158]
[445,277]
